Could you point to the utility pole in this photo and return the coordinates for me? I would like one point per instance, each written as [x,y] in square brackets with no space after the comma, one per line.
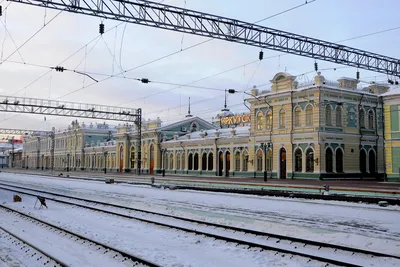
[12,152]
[52,135]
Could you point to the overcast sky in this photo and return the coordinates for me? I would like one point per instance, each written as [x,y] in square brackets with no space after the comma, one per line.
[128,46]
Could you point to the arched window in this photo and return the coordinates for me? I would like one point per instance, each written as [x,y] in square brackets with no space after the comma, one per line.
[260,121]
[339,116]
[204,161]
[328,115]
[329,160]
[196,161]
[297,113]
[259,160]
[282,118]
[269,119]
[178,161]
[372,165]
[362,118]
[363,161]
[371,124]
[190,162]
[269,160]
[339,160]
[298,160]
[183,161]
[309,160]
[210,162]
[309,115]
[237,161]
[245,161]
[171,161]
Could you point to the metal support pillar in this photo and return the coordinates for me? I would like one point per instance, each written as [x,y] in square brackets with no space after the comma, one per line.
[52,136]
[139,139]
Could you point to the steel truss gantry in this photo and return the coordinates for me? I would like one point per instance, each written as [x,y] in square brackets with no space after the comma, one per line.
[23,132]
[189,21]
[72,109]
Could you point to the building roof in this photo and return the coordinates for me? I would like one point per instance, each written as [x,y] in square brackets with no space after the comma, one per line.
[189,119]
[225,133]
[392,91]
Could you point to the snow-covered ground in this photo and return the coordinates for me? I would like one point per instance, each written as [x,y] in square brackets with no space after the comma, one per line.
[359,225]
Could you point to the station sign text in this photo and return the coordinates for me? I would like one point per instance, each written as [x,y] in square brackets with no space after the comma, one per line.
[235,119]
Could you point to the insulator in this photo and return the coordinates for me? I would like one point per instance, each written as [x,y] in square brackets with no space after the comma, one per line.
[396,82]
[144,80]
[390,81]
[316,66]
[59,68]
[1,11]
[358,75]
[101,28]
[261,55]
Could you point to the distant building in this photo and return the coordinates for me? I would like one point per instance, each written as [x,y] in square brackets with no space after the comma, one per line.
[318,130]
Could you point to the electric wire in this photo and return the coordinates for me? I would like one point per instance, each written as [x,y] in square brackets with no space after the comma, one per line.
[12,39]
[166,56]
[113,57]
[108,75]
[66,59]
[44,74]
[30,38]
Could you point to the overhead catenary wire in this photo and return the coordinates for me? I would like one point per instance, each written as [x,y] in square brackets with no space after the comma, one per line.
[30,38]
[62,62]
[8,33]
[174,53]
[44,74]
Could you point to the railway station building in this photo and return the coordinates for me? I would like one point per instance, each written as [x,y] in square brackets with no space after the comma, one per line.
[317,130]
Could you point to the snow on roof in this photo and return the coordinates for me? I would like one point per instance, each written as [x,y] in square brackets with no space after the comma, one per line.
[392,91]
[224,133]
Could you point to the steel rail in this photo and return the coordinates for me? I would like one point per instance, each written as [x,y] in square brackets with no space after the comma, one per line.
[57,261]
[124,254]
[236,229]
[259,192]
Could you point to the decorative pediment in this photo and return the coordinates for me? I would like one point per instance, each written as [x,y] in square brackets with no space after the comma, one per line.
[283,81]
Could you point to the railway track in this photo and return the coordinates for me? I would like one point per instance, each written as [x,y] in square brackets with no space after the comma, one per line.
[313,250]
[32,253]
[288,193]
[95,249]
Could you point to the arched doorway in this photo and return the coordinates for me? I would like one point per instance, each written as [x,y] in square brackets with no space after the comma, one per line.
[282,160]
[329,160]
[228,163]
[121,158]
[196,161]
[151,159]
[204,162]
[363,161]
[372,165]
[339,160]
[190,162]
[220,163]
[210,161]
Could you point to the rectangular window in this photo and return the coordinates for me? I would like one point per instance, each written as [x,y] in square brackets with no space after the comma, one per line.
[395,118]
